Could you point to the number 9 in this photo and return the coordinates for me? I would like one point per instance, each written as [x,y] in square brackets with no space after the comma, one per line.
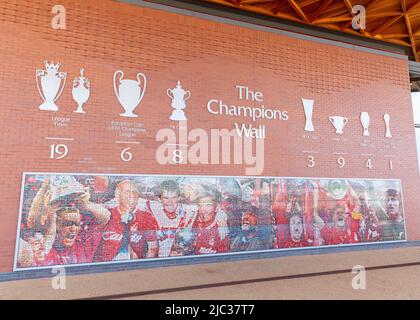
[341,162]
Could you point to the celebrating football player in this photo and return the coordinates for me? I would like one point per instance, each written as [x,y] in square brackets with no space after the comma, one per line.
[172,217]
[210,226]
[248,239]
[130,232]
[393,229]
[67,239]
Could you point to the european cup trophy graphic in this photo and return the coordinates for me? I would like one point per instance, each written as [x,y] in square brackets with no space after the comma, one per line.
[178,96]
[51,81]
[129,92]
[81,91]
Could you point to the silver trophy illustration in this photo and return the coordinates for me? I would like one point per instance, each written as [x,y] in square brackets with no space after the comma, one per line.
[129,93]
[178,96]
[387,118]
[51,81]
[64,189]
[308,106]
[338,122]
[365,120]
[81,91]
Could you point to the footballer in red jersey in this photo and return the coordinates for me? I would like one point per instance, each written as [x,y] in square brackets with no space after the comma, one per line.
[172,217]
[338,232]
[71,245]
[372,230]
[296,229]
[70,237]
[129,230]
[211,231]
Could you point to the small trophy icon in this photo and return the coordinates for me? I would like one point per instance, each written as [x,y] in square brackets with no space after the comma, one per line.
[129,93]
[50,85]
[81,91]
[338,122]
[365,120]
[387,118]
[308,106]
[178,96]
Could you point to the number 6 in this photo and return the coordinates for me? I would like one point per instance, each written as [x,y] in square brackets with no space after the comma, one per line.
[126,155]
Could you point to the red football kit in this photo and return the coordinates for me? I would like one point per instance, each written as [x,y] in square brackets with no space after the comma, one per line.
[120,240]
[77,253]
[207,239]
[83,248]
[332,235]
[296,244]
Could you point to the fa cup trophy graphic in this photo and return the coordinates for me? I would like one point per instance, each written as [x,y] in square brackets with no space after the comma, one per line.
[129,93]
[178,96]
[51,80]
[81,91]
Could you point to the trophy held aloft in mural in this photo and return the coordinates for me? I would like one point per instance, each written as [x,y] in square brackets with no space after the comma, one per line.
[64,189]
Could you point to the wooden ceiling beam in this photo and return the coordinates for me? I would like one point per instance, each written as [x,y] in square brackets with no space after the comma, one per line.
[412,6]
[299,11]
[330,20]
[410,30]
[306,3]
[338,8]
[394,36]
[386,25]
[257,2]
[320,9]
[385,14]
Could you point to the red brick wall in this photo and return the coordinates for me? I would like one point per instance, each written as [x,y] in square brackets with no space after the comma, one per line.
[210,59]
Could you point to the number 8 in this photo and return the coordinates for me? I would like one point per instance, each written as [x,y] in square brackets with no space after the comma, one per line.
[311,161]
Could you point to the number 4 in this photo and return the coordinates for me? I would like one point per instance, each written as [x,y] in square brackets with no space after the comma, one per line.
[369,164]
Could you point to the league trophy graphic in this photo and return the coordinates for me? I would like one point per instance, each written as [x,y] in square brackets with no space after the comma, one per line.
[81,91]
[51,80]
[129,93]
[365,120]
[387,117]
[178,96]
[308,106]
[338,122]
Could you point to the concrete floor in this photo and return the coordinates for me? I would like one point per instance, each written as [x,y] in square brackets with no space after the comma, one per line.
[390,274]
